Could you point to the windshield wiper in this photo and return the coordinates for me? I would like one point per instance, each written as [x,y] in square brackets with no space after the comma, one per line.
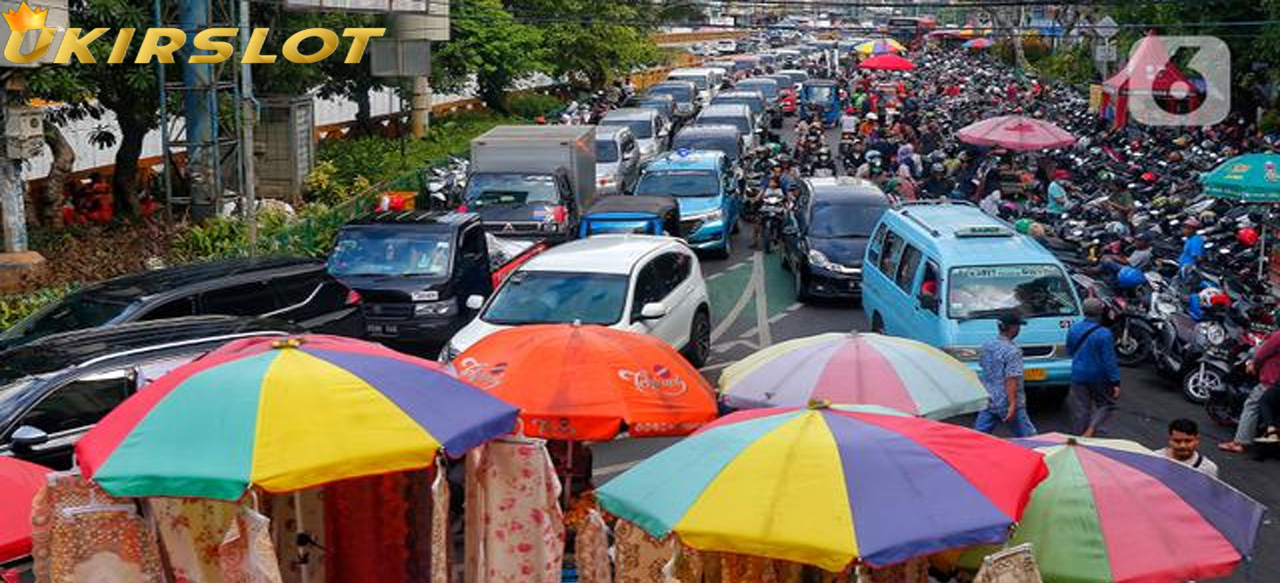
[979,314]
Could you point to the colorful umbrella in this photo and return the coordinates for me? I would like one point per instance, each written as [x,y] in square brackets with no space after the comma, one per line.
[20,482]
[880,47]
[867,369]
[1016,132]
[1247,178]
[1114,512]
[978,43]
[285,415]
[583,383]
[827,487]
[887,62]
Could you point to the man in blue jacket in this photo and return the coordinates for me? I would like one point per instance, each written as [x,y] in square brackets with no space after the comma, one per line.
[1095,373]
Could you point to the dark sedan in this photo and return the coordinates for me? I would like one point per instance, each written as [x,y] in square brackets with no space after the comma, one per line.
[827,234]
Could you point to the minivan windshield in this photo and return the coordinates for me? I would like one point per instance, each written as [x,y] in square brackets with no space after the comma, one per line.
[642,129]
[681,93]
[678,183]
[754,104]
[606,151]
[699,81]
[844,221]
[730,145]
[820,93]
[76,312]
[510,189]
[548,297]
[1035,291]
[391,251]
[740,122]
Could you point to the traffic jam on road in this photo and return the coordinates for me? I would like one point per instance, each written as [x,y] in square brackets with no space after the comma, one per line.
[783,307]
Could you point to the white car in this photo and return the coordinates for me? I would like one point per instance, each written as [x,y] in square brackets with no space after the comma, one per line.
[727,46]
[652,285]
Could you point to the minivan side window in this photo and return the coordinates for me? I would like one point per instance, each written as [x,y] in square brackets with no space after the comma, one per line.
[248,299]
[907,268]
[877,243]
[888,262]
[174,308]
[649,287]
[78,404]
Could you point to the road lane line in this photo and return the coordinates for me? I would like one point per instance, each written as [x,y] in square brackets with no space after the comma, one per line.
[762,302]
[774,319]
[757,274]
[613,468]
[725,270]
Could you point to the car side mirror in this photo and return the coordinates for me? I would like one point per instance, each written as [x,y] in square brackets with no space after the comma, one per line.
[26,437]
[653,311]
[929,302]
[475,302]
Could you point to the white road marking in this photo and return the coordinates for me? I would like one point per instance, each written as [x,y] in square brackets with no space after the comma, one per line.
[717,366]
[727,346]
[762,302]
[774,319]
[754,284]
[613,468]
[726,270]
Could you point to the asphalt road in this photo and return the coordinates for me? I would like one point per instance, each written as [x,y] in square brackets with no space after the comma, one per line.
[754,305]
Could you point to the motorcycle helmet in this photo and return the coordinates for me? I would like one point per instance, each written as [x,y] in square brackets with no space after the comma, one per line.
[873,156]
[1212,297]
[1130,278]
[1023,226]
[937,168]
[1208,217]
[1149,177]
[1117,229]
[1247,236]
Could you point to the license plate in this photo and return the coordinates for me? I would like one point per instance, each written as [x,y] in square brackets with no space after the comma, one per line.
[379,330]
[1035,374]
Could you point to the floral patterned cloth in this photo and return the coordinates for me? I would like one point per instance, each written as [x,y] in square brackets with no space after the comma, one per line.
[591,550]
[640,557]
[82,535]
[514,525]
[246,555]
[192,530]
[440,542]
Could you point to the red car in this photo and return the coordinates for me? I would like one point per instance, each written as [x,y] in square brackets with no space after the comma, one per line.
[787,98]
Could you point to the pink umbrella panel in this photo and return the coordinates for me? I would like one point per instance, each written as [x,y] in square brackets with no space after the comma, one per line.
[1016,132]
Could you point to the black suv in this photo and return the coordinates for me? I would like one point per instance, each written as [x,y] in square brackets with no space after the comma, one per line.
[55,389]
[295,289]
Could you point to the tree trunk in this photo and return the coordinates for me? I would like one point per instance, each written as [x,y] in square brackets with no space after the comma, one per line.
[364,114]
[49,202]
[124,184]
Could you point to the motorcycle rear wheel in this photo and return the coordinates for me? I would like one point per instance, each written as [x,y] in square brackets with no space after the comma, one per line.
[1202,382]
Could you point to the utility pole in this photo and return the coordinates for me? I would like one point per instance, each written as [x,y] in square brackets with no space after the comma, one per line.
[410,27]
[248,117]
[202,147]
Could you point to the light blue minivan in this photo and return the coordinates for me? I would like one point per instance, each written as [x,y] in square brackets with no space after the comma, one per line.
[944,273]
[703,184]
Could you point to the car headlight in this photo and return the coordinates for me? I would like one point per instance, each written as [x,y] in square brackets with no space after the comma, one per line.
[449,353]
[707,217]
[818,259]
[440,308]
[965,353]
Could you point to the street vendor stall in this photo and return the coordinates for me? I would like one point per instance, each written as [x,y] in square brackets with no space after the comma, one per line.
[1149,73]
[1249,179]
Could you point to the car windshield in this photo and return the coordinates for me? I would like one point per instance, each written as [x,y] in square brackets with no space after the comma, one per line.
[844,221]
[510,189]
[753,104]
[11,391]
[392,251]
[546,297]
[678,183]
[606,151]
[724,143]
[699,81]
[769,90]
[820,93]
[680,93]
[642,129]
[77,312]
[1035,291]
[740,122]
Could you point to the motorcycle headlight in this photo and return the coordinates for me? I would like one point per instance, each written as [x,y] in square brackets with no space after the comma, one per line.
[1211,333]
[965,353]
[440,308]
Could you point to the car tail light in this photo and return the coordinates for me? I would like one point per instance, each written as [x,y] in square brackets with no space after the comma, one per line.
[559,214]
[353,297]
[462,208]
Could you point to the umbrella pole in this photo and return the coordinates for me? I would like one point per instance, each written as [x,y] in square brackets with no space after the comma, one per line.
[568,476]
[304,568]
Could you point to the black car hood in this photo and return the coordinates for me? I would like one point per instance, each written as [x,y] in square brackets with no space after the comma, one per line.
[395,288]
[845,251]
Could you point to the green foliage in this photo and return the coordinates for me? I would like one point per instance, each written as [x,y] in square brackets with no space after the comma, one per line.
[532,105]
[15,307]
[594,42]
[1072,66]
[488,42]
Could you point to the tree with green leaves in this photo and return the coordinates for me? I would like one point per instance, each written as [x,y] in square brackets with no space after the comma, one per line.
[595,41]
[486,41]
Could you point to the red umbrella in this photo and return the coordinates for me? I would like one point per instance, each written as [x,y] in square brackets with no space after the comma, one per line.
[1016,132]
[20,481]
[888,62]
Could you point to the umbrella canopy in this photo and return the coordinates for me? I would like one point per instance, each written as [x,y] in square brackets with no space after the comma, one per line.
[20,481]
[1016,132]
[584,383]
[1247,178]
[1113,512]
[887,62]
[867,369]
[978,43]
[880,47]
[829,486]
[285,415]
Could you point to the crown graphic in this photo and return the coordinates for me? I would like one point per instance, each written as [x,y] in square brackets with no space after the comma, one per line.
[24,18]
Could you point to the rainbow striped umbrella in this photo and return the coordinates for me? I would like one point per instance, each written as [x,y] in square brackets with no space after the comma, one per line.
[978,43]
[867,369]
[285,415]
[1111,511]
[827,487]
[880,47]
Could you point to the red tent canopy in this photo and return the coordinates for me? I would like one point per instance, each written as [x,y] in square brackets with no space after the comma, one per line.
[1150,69]
[887,63]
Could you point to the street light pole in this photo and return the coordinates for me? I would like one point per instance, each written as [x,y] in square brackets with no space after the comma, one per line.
[247,117]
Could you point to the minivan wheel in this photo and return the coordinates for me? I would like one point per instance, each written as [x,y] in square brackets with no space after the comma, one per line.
[877,324]
[726,251]
[699,348]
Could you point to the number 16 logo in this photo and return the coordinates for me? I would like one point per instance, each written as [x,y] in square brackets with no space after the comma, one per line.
[1154,91]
